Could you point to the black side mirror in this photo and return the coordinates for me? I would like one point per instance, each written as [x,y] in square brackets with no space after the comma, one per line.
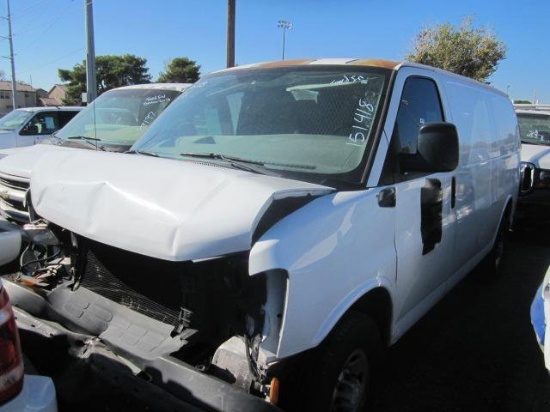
[437,150]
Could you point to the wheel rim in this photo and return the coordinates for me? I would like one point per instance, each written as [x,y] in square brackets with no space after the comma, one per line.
[350,391]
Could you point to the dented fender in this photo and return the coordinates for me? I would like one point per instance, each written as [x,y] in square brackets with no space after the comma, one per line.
[315,246]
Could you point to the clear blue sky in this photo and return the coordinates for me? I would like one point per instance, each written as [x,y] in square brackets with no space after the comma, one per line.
[50,34]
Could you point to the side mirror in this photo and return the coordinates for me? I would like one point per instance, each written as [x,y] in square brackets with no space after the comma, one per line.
[437,151]
[527,178]
[29,130]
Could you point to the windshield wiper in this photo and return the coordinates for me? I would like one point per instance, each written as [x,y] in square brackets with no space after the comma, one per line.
[87,139]
[140,152]
[95,139]
[236,162]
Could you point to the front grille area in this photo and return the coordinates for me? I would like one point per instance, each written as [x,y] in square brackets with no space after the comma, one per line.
[13,190]
[12,183]
[146,285]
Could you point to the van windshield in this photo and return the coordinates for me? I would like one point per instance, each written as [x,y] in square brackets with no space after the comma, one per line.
[14,119]
[118,117]
[302,122]
[534,128]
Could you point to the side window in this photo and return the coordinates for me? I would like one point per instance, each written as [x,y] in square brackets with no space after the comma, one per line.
[420,104]
[41,123]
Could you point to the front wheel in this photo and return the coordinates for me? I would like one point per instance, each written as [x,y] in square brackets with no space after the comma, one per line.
[338,374]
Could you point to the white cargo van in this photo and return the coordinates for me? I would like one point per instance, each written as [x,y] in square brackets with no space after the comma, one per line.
[277,226]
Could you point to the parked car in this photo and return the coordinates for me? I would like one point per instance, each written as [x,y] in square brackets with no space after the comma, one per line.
[534,126]
[31,125]
[112,122]
[19,392]
[276,228]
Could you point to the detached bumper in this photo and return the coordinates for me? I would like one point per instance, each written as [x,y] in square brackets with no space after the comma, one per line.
[88,374]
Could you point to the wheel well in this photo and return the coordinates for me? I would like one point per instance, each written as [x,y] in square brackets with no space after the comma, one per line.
[377,304]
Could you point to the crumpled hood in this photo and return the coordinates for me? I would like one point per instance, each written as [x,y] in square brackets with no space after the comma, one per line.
[539,155]
[20,161]
[168,209]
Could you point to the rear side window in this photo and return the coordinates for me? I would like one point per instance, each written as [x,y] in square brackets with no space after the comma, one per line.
[420,104]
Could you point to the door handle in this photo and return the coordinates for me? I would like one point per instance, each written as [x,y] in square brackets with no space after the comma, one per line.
[453,192]
[386,197]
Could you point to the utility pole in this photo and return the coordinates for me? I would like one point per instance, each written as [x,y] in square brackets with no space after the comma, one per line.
[13,80]
[91,82]
[231,33]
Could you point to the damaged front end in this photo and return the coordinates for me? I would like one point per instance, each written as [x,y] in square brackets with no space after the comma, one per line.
[187,327]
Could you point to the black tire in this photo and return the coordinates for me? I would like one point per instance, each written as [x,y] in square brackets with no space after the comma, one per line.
[337,376]
[491,267]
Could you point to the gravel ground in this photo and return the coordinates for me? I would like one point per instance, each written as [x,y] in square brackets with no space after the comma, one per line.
[476,350]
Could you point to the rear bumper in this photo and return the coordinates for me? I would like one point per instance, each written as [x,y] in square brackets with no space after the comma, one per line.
[92,375]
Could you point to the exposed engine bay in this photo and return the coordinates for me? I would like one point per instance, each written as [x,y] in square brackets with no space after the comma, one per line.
[207,315]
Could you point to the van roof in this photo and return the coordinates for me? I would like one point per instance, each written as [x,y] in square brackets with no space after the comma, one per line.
[381,63]
[49,108]
[388,64]
[157,86]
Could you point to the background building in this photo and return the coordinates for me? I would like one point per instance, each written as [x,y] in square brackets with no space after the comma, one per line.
[28,96]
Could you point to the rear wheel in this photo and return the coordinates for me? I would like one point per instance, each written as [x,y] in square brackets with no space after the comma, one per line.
[491,267]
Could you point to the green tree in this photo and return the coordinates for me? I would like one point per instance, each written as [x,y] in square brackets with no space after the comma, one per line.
[180,70]
[471,52]
[111,72]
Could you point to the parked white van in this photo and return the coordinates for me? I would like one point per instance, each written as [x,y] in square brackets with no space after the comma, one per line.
[30,125]
[278,226]
[534,128]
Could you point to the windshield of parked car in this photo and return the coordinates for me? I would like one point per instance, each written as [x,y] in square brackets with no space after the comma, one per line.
[312,123]
[14,119]
[119,116]
[534,128]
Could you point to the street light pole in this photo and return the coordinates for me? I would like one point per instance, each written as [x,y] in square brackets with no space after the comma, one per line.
[285,25]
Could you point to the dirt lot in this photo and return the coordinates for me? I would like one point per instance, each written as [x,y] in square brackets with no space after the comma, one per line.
[476,351]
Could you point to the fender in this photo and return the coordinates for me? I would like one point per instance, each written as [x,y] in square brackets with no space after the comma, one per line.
[334,250]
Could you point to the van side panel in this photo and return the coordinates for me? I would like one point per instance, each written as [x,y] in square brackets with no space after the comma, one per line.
[488,174]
